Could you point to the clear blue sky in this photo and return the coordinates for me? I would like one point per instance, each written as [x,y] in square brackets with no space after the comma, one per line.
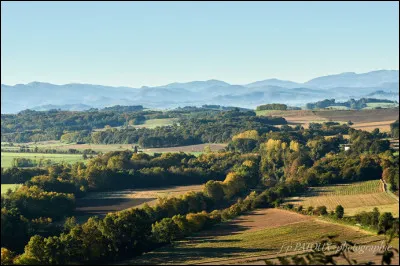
[155,43]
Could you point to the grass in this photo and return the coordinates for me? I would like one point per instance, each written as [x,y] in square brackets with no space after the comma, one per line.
[338,107]
[60,146]
[7,157]
[355,197]
[5,187]
[153,123]
[57,145]
[270,112]
[381,104]
[220,245]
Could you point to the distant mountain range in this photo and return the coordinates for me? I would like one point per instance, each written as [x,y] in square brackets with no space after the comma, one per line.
[45,96]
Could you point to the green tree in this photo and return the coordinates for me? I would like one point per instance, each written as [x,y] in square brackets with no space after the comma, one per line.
[214,190]
[165,231]
[385,222]
[339,211]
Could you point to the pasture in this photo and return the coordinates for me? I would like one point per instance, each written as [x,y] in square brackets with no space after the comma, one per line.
[262,234]
[153,123]
[381,105]
[354,197]
[60,146]
[7,157]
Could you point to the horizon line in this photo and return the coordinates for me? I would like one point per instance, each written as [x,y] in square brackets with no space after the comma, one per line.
[212,79]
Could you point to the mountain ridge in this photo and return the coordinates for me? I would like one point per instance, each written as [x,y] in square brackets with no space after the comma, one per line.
[341,86]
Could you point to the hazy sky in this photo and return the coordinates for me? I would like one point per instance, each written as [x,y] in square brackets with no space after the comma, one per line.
[155,43]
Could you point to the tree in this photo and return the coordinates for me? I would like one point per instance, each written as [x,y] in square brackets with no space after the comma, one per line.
[69,223]
[385,222]
[165,231]
[321,210]
[7,256]
[207,149]
[339,211]
[214,190]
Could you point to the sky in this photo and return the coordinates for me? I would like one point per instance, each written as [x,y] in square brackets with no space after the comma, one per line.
[155,43]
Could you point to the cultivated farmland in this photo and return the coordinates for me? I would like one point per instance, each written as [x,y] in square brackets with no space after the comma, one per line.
[355,197]
[263,234]
[363,119]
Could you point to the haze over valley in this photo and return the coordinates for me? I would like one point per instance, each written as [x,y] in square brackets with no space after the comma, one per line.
[45,96]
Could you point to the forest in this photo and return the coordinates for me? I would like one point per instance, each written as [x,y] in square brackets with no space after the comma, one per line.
[204,126]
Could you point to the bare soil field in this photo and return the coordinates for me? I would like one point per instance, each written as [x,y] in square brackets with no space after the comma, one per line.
[360,116]
[250,239]
[295,116]
[101,203]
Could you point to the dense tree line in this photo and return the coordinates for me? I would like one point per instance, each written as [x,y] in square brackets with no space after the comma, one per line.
[205,129]
[28,125]
[123,109]
[352,103]
[192,128]
[28,162]
[272,106]
[15,175]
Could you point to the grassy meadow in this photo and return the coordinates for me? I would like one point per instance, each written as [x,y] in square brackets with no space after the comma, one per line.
[7,157]
[153,123]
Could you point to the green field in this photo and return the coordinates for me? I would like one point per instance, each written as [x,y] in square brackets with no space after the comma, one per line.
[59,146]
[271,112]
[338,107]
[153,123]
[248,239]
[354,197]
[5,187]
[381,104]
[7,157]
